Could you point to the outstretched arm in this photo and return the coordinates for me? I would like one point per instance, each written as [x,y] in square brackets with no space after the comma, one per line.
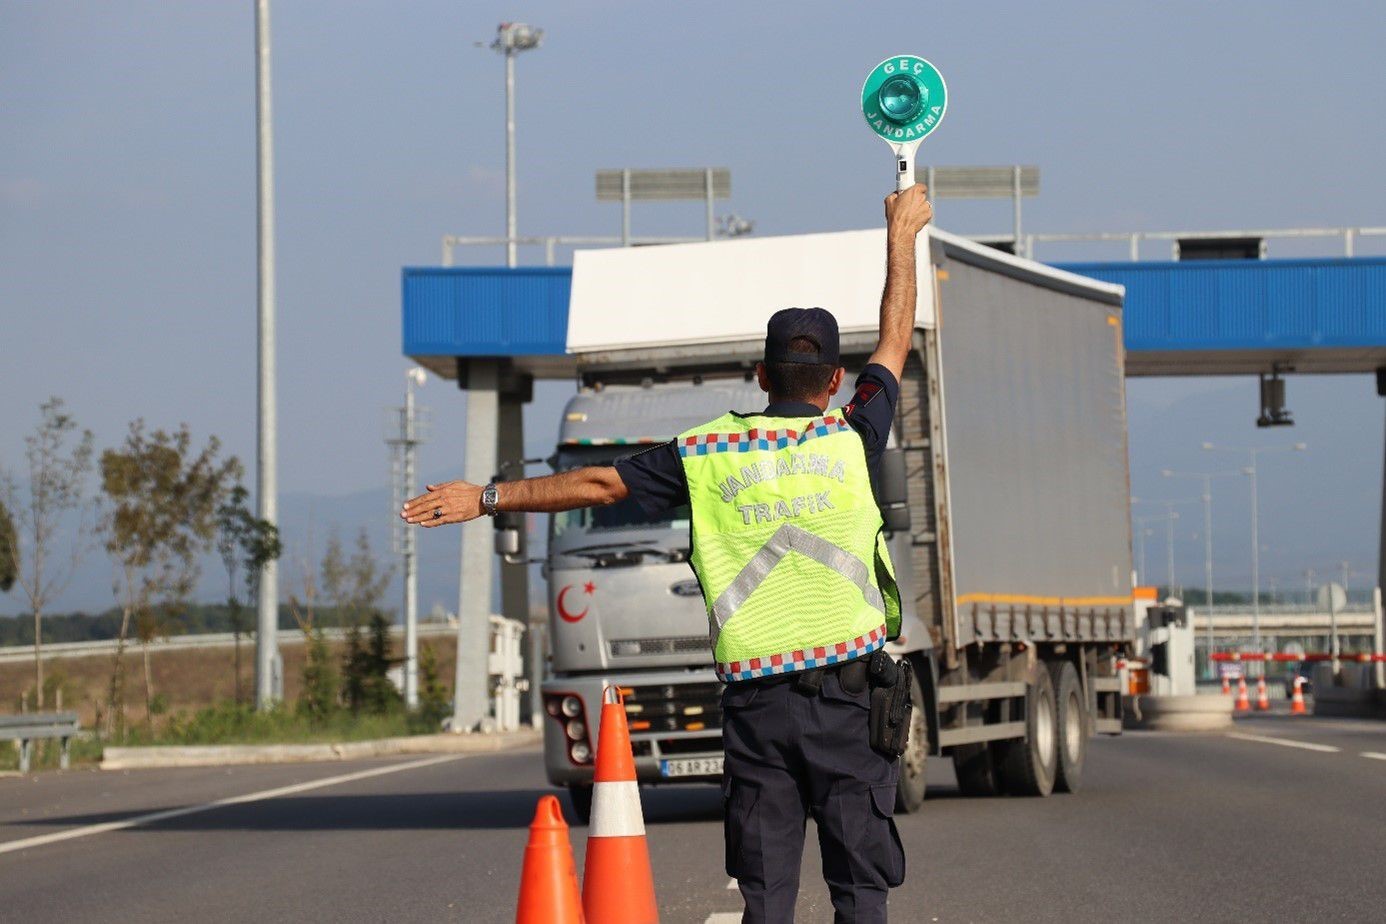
[459,501]
[906,215]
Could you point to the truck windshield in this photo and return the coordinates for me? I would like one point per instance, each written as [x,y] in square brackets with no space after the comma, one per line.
[625,515]
[601,524]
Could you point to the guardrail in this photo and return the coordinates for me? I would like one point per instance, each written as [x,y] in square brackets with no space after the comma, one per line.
[13,653]
[27,727]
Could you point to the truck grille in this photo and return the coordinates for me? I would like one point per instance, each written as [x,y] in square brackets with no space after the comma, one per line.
[633,647]
[684,707]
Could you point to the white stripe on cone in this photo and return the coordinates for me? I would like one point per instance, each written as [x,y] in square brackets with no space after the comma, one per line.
[616,810]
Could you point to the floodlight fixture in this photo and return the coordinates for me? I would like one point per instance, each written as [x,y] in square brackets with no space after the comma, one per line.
[513,37]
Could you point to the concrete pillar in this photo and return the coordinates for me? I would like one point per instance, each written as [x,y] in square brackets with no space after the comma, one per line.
[479,378]
[514,578]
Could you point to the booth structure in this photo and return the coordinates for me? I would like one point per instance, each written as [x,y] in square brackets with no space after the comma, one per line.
[495,330]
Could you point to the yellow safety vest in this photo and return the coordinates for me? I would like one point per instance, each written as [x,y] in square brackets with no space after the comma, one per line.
[787,543]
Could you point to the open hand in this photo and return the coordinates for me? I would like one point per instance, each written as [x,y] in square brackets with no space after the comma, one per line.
[909,211]
[450,502]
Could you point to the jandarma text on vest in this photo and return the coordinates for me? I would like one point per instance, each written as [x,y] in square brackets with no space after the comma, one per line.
[795,463]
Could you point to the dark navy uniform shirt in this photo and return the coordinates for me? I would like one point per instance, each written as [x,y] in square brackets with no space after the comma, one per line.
[655,477]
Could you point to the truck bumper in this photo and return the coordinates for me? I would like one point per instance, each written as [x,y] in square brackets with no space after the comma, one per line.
[671,714]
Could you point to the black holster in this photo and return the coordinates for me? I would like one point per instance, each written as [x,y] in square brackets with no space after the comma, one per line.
[892,686]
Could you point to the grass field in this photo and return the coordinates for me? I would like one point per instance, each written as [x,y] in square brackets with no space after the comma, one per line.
[185,681]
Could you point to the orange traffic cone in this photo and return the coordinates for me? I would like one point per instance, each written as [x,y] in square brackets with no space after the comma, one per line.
[1262,697]
[617,885]
[548,885]
[1243,704]
[1226,685]
[1297,702]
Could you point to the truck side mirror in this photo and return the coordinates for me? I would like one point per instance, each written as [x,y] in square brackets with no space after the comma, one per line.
[892,491]
[509,542]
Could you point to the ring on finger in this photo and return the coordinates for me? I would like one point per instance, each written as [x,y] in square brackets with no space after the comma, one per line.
[437,513]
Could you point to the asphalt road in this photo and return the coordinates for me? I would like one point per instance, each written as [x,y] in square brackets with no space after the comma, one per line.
[1167,827]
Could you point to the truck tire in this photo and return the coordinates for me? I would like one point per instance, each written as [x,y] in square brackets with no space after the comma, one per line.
[1072,725]
[976,770]
[909,793]
[1028,765]
[581,796]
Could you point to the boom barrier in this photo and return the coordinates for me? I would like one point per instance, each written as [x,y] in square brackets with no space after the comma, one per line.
[1365,657]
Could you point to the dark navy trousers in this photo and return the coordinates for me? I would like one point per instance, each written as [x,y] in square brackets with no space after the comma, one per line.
[790,755]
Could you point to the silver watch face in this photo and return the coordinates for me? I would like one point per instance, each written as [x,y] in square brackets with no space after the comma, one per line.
[489,496]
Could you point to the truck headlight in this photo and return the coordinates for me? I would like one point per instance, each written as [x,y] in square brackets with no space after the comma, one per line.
[575,730]
[580,752]
[572,707]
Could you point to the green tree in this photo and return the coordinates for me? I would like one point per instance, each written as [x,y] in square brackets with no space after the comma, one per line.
[319,697]
[367,686]
[9,552]
[244,541]
[354,584]
[59,461]
[163,497]
[435,703]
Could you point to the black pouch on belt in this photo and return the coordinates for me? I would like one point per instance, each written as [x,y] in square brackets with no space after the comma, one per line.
[892,683]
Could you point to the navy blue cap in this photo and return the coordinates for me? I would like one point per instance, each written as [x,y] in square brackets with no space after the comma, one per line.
[816,324]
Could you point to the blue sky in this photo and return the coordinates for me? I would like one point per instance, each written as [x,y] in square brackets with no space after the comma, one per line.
[127,248]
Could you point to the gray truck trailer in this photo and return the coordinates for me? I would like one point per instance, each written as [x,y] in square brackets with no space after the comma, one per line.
[1005,495]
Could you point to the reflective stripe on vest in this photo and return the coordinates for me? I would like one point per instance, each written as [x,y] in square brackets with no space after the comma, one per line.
[768,440]
[804,659]
[790,538]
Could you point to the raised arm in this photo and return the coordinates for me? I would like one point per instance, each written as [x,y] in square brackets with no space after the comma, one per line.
[459,501]
[906,215]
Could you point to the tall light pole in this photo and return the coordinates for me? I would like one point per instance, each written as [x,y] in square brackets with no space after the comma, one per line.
[1250,471]
[511,39]
[1207,498]
[268,682]
[406,436]
[1167,517]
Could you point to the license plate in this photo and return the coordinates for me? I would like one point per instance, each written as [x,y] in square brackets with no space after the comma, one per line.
[691,766]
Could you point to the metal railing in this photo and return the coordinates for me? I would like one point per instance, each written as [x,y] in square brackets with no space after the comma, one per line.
[550,242]
[13,653]
[1133,239]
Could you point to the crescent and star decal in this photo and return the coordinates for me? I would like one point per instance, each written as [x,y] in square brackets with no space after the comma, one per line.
[588,589]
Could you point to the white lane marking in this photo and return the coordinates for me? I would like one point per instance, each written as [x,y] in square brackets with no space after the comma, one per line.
[724,917]
[732,886]
[150,818]
[1374,755]
[1305,745]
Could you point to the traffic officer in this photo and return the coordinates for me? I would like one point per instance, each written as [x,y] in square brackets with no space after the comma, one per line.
[788,549]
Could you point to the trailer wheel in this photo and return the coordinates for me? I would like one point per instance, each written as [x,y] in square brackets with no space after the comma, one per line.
[581,797]
[975,769]
[1028,765]
[909,793]
[1072,726]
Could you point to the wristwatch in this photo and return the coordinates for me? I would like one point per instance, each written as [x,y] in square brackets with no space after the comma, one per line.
[489,497]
